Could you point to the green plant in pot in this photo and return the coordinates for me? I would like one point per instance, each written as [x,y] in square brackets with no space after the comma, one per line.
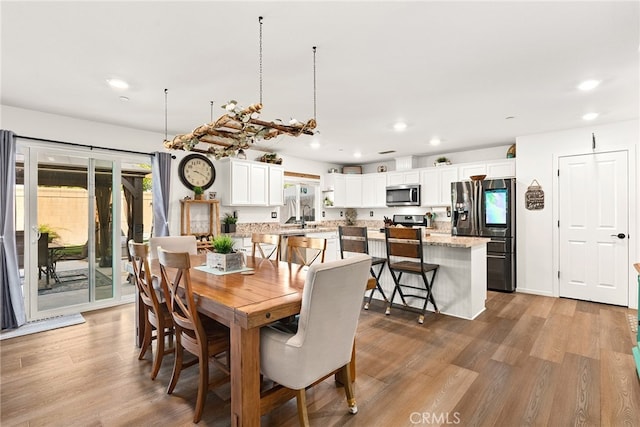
[222,244]
[223,256]
[198,191]
[229,223]
[442,161]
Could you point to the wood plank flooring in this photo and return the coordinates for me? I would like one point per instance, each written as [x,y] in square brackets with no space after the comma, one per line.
[526,361]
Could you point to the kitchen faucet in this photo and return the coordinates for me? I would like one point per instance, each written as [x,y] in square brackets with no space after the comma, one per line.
[303,223]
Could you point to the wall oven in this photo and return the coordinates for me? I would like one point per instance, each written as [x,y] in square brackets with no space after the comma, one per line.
[403,195]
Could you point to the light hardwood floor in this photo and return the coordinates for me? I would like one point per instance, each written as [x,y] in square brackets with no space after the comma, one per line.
[528,360]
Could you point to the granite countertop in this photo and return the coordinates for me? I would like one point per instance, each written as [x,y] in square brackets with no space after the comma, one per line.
[441,240]
[287,231]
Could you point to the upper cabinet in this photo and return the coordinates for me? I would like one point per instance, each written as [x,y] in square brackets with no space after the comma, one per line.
[250,183]
[436,185]
[411,176]
[374,190]
[493,169]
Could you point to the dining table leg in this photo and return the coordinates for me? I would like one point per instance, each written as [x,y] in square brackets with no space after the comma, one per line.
[245,376]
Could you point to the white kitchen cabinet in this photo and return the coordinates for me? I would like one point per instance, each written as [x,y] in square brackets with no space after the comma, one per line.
[403,177]
[436,185]
[501,169]
[276,185]
[249,183]
[332,253]
[353,191]
[374,193]
[339,190]
[467,170]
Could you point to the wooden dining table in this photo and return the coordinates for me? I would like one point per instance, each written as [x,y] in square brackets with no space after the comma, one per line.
[245,303]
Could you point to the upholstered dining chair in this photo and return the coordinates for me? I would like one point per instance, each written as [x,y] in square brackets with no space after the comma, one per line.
[297,247]
[260,241]
[156,314]
[323,343]
[355,239]
[201,336]
[173,243]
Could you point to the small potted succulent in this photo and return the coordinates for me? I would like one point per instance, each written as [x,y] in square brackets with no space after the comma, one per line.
[229,223]
[441,161]
[197,192]
[223,257]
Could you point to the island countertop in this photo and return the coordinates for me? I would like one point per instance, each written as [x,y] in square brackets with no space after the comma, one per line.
[441,240]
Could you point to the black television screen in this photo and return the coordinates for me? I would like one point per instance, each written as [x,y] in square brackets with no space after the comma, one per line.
[495,207]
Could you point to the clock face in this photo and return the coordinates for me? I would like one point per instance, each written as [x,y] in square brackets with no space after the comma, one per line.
[197,171]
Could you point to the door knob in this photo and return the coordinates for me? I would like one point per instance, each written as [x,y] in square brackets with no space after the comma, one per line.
[619,235]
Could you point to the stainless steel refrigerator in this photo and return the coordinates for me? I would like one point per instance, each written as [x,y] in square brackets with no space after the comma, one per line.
[487,209]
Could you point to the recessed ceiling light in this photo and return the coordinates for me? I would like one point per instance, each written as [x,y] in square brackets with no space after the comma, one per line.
[118,84]
[399,126]
[589,84]
[315,145]
[357,154]
[434,141]
[589,116]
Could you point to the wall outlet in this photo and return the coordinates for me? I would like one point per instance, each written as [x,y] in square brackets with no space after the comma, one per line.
[274,214]
[370,213]
[322,214]
[340,213]
[448,211]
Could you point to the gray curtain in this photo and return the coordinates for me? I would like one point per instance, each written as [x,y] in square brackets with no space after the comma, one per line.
[13,312]
[160,183]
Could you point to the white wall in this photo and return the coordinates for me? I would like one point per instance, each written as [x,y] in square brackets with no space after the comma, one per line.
[35,124]
[537,157]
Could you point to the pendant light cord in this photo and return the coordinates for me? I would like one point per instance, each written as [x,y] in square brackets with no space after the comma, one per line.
[166,91]
[260,21]
[314,83]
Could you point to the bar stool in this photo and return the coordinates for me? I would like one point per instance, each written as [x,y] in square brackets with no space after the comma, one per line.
[403,243]
[354,239]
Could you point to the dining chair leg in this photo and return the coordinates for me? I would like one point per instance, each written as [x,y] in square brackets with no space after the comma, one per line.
[177,365]
[203,388]
[146,339]
[301,401]
[348,388]
[157,359]
[378,287]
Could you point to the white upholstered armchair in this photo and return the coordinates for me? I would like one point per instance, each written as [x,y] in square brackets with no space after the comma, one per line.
[323,343]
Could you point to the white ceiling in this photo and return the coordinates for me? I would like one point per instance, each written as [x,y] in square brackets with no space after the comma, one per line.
[455,70]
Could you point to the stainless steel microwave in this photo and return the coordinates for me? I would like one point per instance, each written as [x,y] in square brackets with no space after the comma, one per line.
[403,195]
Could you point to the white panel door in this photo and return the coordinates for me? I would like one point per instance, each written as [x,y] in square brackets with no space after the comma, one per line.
[593,215]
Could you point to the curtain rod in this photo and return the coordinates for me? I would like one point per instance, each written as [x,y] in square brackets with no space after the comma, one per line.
[91,147]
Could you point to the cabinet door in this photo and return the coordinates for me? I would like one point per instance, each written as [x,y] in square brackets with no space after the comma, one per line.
[411,177]
[258,186]
[353,191]
[502,169]
[395,178]
[276,186]
[447,176]
[475,169]
[430,187]
[339,191]
[240,183]
[374,190]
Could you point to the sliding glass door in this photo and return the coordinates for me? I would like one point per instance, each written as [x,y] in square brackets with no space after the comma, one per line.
[75,210]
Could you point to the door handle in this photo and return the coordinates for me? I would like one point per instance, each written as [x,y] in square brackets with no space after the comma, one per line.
[619,235]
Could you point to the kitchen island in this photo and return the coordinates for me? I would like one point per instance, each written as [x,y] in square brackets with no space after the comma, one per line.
[460,287]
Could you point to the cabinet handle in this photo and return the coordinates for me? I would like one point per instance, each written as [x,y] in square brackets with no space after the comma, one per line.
[619,235]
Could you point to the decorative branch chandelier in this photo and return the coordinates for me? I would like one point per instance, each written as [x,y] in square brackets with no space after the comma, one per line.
[240,127]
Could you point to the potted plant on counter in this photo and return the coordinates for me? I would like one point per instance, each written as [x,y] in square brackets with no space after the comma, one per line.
[229,223]
[223,257]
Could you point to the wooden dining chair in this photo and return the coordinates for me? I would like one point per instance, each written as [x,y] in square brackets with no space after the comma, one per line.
[156,314]
[323,342]
[262,242]
[305,250]
[402,245]
[354,239]
[201,336]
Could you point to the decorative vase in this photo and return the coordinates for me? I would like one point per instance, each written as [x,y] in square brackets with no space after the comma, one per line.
[197,197]
[228,228]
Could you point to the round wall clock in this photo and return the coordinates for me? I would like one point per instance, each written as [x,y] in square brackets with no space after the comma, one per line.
[196,170]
